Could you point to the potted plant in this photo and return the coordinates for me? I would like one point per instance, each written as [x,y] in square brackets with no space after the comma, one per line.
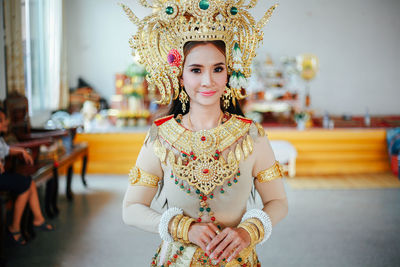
[301,118]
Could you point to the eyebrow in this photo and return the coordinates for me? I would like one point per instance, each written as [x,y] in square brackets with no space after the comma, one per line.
[198,65]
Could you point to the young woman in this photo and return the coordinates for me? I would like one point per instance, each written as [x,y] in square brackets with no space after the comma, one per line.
[205,157]
[22,186]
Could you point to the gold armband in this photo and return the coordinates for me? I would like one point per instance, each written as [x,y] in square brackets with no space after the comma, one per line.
[271,173]
[140,177]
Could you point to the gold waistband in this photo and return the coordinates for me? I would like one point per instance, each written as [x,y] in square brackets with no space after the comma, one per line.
[184,255]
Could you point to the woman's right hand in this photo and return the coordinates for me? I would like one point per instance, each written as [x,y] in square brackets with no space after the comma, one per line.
[201,234]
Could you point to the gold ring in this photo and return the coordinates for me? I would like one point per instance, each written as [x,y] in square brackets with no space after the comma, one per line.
[218,232]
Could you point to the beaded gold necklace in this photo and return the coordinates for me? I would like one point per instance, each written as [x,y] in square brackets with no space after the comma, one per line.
[200,163]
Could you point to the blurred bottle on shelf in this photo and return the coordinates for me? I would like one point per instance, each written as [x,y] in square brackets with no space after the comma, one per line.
[325,120]
[367,118]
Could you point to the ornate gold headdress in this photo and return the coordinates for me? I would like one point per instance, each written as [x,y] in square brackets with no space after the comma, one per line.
[161,36]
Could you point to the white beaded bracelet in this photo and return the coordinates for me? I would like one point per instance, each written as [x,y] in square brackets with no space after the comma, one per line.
[264,218]
[164,222]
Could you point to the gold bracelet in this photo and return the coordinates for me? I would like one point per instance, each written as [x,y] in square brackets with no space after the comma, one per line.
[250,230]
[179,232]
[260,227]
[256,233]
[174,225]
[186,230]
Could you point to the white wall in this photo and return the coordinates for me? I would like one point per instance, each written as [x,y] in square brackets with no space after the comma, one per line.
[2,56]
[357,42]
[98,33]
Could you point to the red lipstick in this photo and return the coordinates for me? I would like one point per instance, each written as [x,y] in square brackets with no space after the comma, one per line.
[208,93]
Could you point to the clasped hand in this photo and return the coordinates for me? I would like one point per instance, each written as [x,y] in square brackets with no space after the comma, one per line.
[225,245]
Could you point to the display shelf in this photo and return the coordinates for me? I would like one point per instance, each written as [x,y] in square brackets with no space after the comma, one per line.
[320,151]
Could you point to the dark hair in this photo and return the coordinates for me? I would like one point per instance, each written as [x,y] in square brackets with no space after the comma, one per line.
[176,105]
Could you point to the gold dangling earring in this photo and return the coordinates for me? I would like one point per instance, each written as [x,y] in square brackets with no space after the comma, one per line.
[226,97]
[183,97]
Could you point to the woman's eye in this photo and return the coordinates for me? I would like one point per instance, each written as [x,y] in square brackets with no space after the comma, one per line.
[195,70]
[219,69]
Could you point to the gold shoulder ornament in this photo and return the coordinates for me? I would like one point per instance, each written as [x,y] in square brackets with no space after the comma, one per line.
[139,177]
[161,36]
[272,173]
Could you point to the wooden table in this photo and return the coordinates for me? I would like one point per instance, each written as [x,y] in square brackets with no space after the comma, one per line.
[66,161]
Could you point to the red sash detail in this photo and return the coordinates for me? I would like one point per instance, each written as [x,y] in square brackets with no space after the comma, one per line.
[245,119]
[162,120]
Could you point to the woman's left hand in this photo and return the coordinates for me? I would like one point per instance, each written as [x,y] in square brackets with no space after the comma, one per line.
[229,243]
[27,157]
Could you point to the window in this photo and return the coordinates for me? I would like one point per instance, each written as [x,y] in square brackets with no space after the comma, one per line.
[43,42]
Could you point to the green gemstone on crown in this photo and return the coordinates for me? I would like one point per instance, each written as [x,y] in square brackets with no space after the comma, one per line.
[234,11]
[169,10]
[204,4]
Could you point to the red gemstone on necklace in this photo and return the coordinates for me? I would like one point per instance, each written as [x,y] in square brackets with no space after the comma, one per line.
[199,220]
[205,171]
[204,198]
[213,218]
[203,138]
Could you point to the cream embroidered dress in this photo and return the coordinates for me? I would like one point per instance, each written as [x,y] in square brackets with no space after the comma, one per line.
[209,174]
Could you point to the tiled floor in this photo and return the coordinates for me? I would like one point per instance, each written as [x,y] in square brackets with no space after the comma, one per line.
[323,228]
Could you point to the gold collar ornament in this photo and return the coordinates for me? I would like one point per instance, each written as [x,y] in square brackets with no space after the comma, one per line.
[200,162]
[161,36]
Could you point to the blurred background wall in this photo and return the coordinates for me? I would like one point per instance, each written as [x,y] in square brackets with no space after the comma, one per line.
[357,42]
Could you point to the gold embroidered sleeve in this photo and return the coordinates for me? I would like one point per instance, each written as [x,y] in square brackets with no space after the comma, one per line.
[271,173]
[139,177]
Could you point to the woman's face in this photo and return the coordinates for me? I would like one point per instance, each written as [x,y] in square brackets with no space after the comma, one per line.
[3,123]
[204,75]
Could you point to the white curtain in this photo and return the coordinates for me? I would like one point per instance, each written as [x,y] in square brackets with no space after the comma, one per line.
[44,54]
